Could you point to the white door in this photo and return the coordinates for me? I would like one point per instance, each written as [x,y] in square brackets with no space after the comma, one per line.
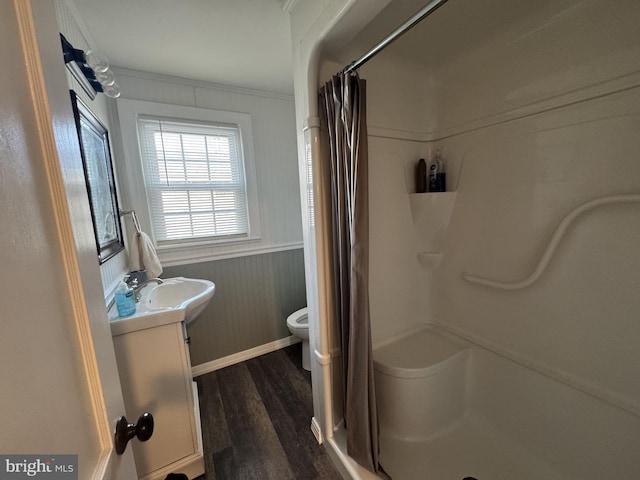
[59,386]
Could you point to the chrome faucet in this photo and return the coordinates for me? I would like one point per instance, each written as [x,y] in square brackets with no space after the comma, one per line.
[137,287]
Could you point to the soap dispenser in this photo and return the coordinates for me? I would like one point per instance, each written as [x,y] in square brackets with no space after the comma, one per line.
[125,300]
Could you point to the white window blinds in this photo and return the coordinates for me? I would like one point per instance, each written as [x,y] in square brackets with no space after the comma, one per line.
[195,179]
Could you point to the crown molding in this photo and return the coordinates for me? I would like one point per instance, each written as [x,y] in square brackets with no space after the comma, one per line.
[128,72]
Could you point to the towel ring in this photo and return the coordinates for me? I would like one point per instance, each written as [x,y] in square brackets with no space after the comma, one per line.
[136,223]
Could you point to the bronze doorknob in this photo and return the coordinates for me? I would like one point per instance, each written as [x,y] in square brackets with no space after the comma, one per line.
[125,431]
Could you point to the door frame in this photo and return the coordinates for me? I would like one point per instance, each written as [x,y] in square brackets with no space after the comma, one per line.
[60,152]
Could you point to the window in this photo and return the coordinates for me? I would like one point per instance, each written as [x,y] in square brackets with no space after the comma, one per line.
[195,180]
[190,175]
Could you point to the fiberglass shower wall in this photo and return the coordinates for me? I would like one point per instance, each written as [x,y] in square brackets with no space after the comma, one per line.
[535,105]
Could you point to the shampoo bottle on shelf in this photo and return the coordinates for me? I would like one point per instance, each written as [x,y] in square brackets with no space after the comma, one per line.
[421,176]
[125,300]
[437,176]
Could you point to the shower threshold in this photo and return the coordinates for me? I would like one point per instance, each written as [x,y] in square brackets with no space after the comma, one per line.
[470,448]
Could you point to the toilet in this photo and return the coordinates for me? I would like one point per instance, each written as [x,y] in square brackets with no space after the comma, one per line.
[298,323]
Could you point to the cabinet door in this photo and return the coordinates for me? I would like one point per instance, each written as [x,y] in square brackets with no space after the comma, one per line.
[155,378]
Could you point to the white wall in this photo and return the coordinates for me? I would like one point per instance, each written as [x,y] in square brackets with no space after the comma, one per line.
[246,312]
[535,104]
[274,143]
[274,148]
[536,119]
[274,151]
[58,366]
[42,368]
[579,318]
[71,26]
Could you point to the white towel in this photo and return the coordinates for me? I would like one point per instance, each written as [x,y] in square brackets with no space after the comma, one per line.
[142,255]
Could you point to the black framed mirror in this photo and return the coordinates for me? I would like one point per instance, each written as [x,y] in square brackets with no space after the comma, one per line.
[101,185]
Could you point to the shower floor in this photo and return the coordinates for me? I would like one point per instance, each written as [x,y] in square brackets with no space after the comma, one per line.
[468,449]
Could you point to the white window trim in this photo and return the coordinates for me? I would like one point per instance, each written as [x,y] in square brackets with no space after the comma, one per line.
[135,191]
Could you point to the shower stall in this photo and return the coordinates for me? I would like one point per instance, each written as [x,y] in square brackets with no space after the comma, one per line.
[505,311]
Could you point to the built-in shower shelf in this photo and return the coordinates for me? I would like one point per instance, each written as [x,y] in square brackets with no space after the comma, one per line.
[429,260]
[431,205]
[431,213]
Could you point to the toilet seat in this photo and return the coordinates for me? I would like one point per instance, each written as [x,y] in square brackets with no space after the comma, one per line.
[299,318]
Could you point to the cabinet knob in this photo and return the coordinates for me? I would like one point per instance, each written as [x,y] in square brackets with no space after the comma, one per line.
[125,431]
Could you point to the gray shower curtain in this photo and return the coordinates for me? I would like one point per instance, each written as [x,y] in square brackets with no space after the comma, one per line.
[343,102]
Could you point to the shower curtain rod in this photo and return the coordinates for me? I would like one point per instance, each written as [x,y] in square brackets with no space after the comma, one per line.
[397,33]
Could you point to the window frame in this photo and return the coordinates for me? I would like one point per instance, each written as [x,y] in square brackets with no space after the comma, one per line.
[185,250]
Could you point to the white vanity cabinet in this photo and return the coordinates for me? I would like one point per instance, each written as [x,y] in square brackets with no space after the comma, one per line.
[155,372]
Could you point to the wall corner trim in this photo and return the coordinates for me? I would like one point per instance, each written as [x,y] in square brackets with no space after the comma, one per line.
[311,122]
[322,359]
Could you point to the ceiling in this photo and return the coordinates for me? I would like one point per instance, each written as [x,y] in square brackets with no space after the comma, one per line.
[243,43]
[453,29]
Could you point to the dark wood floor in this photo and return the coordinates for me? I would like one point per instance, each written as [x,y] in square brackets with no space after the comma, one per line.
[256,419]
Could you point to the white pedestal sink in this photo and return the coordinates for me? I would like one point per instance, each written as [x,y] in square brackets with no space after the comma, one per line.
[190,294]
[175,300]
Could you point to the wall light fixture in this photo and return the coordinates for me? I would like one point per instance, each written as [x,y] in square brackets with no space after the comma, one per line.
[90,69]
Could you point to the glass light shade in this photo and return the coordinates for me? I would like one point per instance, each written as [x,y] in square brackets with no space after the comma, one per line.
[97,61]
[106,78]
[112,91]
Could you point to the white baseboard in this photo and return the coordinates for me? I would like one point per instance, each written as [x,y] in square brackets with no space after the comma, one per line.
[315,429]
[239,357]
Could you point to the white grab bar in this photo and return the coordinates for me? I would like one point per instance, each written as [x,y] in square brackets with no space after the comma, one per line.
[553,244]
